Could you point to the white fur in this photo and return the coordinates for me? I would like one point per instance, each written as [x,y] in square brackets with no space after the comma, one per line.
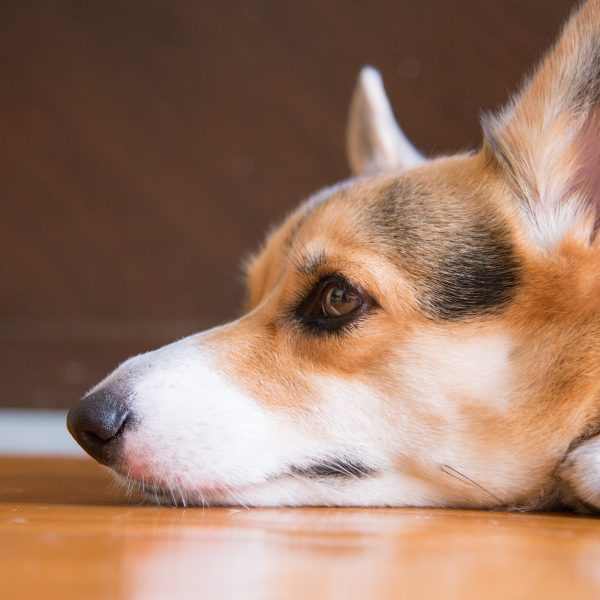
[473,368]
[581,474]
[375,141]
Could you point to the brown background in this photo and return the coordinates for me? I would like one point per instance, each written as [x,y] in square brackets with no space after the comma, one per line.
[145,146]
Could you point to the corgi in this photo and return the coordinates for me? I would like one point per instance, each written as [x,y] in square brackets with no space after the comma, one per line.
[426,333]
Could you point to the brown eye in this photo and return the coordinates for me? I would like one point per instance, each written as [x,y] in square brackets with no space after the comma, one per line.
[338,301]
[332,305]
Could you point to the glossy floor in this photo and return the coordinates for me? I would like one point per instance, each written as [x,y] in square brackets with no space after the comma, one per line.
[65,532]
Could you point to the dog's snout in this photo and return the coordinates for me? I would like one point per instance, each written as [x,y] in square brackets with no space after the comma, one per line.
[96,422]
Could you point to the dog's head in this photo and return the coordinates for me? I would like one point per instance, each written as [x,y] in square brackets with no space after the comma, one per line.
[423,334]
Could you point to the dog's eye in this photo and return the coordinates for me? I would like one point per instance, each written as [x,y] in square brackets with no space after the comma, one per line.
[333,304]
[338,300]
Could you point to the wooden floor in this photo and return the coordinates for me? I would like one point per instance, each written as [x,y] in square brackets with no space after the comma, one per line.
[65,532]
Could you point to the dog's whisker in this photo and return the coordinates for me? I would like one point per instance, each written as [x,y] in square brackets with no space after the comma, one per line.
[171,492]
[182,495]
[235,497]
[286,490]
[340,468]
[462,477]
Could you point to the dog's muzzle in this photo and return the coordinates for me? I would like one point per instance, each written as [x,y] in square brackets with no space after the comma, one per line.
[97,422]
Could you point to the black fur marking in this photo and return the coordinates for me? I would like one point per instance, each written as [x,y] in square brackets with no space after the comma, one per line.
[333,468]
[464,262]
[478,274]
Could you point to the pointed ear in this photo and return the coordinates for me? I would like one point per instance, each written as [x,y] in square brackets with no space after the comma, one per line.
[547,140]
[375,142]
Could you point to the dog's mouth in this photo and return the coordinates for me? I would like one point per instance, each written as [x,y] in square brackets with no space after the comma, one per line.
[174,493]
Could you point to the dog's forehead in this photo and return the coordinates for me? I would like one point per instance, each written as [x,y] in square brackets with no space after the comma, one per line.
[439,198]
[437,225]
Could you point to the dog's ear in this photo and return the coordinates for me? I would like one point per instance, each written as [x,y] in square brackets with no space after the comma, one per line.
[375,142]
[547,140]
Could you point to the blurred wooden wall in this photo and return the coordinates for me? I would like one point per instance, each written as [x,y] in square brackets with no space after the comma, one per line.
[146,145]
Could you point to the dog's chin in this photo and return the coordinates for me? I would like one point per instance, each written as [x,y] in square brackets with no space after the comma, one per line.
[300,487]
[177,493]
[325,483]
[284,490]
[316,481]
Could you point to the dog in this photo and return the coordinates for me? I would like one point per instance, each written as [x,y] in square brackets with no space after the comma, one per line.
[426,333]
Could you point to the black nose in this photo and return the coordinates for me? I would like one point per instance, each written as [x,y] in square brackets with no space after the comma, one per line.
[96,422]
